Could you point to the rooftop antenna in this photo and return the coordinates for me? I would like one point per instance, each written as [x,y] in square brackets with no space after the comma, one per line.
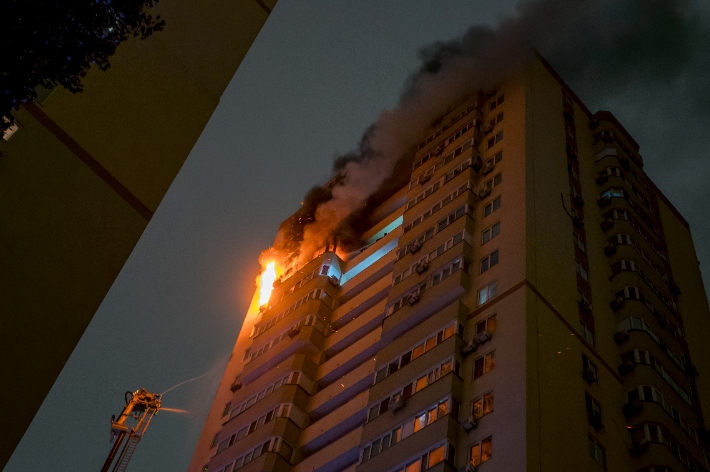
[140,409]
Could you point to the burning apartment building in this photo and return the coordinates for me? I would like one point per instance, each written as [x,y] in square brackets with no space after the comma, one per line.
[492,282]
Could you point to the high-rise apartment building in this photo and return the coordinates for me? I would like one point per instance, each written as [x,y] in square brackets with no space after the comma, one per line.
[529,301]
[82,175]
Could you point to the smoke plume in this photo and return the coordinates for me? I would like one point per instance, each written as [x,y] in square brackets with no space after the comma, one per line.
[588,42]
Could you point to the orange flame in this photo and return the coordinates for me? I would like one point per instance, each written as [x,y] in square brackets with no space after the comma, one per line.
[266,282]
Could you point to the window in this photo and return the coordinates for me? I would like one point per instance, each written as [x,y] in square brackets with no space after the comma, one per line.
[493,161]
[588,366]
[483,405]
[489,261]
[586,333]
[593,408]
[497,180]
[596,452]
[581,270]
[226,409]
[487,292]
[495,139]
[422,381]
[491,207]
[579,243]
[215,441]
[484,364]
[481,452]
[290,378]
[489,324]
[497,102]
[572,172]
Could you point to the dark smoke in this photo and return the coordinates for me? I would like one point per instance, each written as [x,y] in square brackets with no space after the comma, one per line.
[601,47]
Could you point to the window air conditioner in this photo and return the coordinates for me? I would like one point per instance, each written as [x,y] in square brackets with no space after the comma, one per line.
[626,367]
[610,249]
[396,403]
[414,247]
[439,149]
[585,306]
[469,423]
[236,385]
[604,201]
[620,337]
[577,220]
[602,178]
[293,332]
[468,468]
[640,446]
[483,192]
[617,303]
[484,336]
[477,163]
[589,375]
[334,280]
[470,347]
[488,129]
[488,168]
[412,299]
[607,224]
[423,178]
[422,267]
[632,408]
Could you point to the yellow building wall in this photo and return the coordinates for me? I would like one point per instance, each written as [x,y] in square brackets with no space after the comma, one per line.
[68,227]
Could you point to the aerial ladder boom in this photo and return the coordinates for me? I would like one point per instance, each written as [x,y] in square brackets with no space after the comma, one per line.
[140,409]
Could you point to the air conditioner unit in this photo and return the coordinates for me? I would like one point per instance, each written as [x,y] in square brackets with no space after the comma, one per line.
[334,280]
[488,129]
[610,249]
[422,267]
[632,408]
[579,200]
[626,367]
[607,224]
[488,168]
[423,178]
[469,423]
[468,468]
[577,220]
[589,375]
[640,446]
[396,403]
[602,178]
[483,192]
[595,419]
[414,247]
[412,299]
[470,347]
[236,385]
[484,336]
[604,201]
[584,305]
[477,164]
[675,289]
[620,337]
[293,332]
[438,150]
[617,303]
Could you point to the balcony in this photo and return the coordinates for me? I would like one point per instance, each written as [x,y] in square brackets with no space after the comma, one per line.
[338,393]
[356,329]
[430,302]
[356,306]
[335,456]
[414,445]
[269,461]
[308,341]
[339,422]
[349,358]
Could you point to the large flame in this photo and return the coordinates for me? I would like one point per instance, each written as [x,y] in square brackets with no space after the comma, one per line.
[266,282]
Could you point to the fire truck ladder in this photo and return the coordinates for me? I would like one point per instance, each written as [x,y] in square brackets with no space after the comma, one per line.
[133,440]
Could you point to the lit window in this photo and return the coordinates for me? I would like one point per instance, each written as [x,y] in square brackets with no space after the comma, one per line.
[487,292]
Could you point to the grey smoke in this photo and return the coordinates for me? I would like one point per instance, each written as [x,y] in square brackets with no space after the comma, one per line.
[604,49]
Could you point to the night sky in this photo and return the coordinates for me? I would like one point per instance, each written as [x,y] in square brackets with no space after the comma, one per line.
[317,76]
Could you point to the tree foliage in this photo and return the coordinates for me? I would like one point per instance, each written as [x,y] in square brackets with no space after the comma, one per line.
[45,43]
